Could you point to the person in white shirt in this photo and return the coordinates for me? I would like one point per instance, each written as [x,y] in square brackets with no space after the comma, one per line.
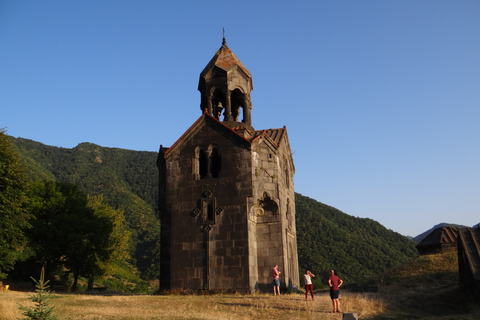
[307,280]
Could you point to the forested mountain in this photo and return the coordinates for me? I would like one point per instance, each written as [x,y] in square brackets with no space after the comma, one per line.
[356,247]
[327,238]
[127,179]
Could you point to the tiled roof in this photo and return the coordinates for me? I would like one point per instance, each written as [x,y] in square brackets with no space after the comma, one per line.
[224,59]
[275,134]
[470,241]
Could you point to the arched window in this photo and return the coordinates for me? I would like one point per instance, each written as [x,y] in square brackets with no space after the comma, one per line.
[207,163]
[237,102]
[287,173]
[201,163]
[218,104]
[215,162]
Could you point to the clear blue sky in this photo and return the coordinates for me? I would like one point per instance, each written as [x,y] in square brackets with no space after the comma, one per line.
[381,99]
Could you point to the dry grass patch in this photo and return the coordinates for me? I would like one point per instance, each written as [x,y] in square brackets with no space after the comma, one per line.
[261,306]
[8,305]
[427,288]
[365,305]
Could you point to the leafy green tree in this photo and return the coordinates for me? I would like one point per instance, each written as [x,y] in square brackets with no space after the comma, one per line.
[74,232]
[117,242]
[13,216]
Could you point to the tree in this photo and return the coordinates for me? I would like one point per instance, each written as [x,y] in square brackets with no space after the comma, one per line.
[13,216]
[115,244]
[42,309]
[74,232]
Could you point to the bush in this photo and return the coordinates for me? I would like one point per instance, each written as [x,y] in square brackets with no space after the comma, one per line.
[42,309]
[141,288]
[115,285]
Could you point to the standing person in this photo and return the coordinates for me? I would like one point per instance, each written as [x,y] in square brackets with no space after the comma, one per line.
[276,280]
[334,283]
[307,280]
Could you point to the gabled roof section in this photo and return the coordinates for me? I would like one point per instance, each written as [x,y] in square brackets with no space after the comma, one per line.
[206,118]
[226,60]
[275,135]
[469,240]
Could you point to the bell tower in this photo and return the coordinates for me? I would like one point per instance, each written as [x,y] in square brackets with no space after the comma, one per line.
[225,85]
[226,193]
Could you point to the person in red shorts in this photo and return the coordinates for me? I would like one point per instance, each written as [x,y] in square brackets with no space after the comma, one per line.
[334,283]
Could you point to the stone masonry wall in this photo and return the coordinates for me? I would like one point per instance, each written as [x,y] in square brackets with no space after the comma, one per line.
[273,214]
[214,249]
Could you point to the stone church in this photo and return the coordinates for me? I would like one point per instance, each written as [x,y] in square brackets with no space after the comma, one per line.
[226,199]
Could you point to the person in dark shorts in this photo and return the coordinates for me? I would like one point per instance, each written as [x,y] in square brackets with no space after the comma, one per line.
[334,283]
[276,280]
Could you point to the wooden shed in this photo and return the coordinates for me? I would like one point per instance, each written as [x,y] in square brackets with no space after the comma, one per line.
[439,240]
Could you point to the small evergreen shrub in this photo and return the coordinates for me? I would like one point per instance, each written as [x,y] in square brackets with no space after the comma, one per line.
[42,309]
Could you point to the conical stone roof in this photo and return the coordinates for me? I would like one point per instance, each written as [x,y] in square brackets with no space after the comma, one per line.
[224,59]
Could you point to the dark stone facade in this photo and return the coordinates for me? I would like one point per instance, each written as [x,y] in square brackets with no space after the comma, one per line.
[227,203]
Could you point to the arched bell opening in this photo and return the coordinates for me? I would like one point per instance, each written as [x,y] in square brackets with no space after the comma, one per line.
[238,104]
[218,104]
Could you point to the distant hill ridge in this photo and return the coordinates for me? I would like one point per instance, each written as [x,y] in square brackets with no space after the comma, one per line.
[327,238]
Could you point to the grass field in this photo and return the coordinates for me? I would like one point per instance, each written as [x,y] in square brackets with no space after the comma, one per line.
[426,288]
[262,306]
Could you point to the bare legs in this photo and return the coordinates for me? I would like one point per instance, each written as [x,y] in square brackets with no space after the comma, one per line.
[277,290]
[336,305]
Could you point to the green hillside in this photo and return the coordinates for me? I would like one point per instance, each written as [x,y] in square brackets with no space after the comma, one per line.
[128,180]
[357,248]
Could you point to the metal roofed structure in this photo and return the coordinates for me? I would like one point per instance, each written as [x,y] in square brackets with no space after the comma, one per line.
[439,240]
[469,259]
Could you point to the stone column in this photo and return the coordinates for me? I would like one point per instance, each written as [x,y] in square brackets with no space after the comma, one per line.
[228,106]
[209,104]
[247,110]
